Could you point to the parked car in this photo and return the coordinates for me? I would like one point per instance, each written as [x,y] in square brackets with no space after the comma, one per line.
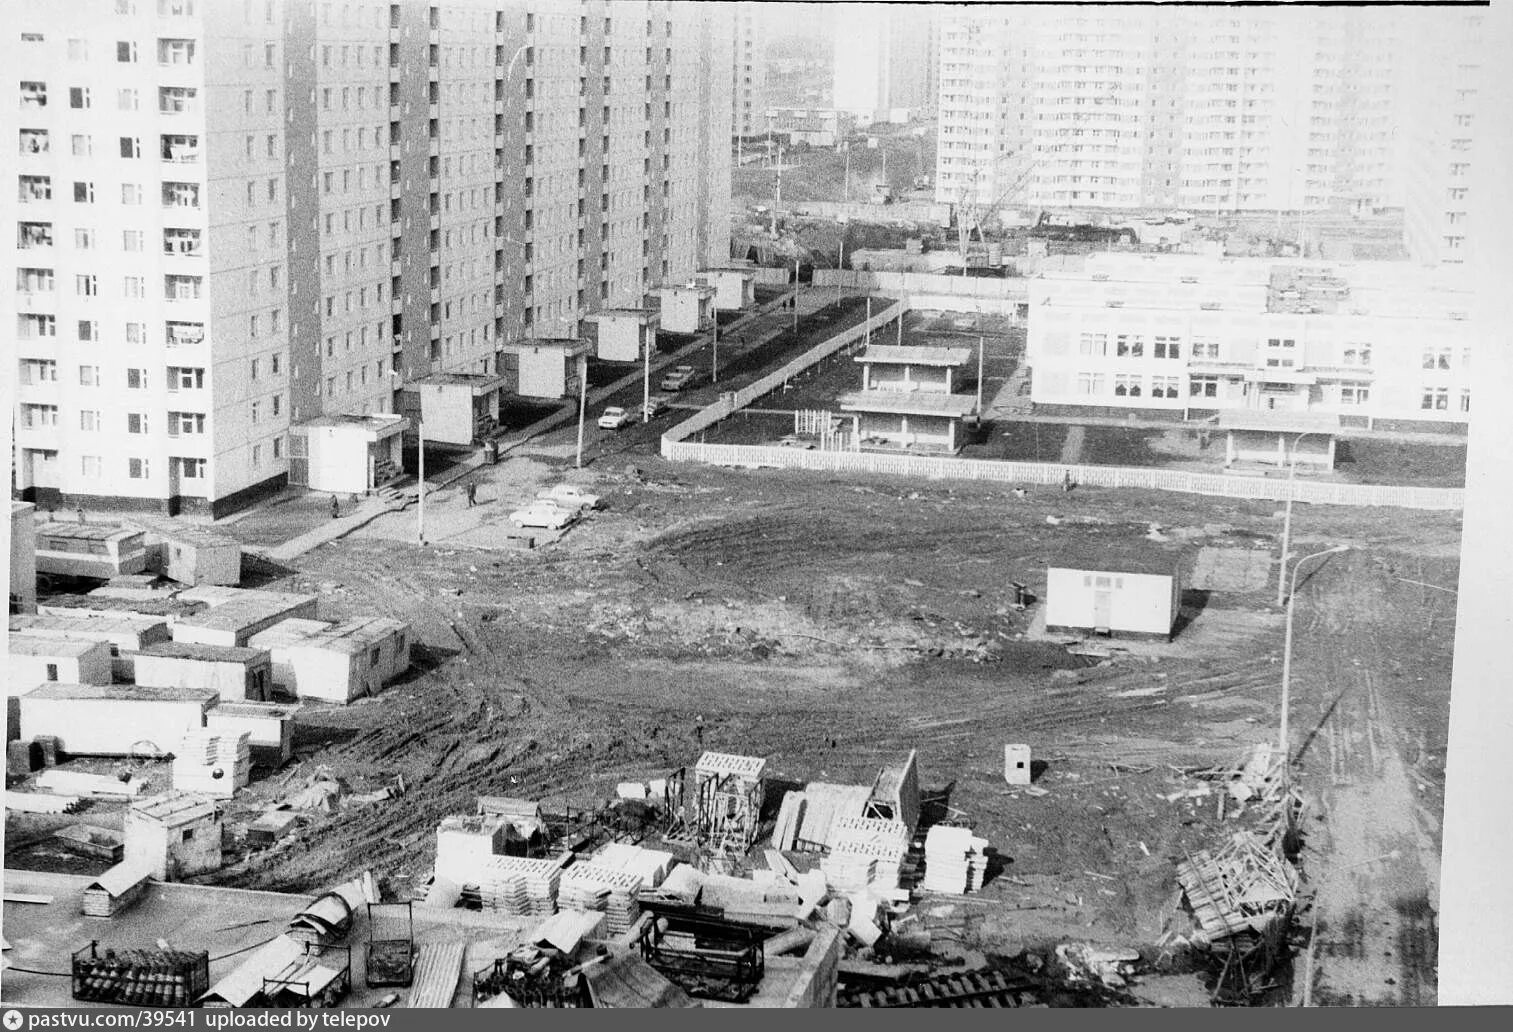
[794,441]
[677,379]
[613,418]
[569,496]
[656,405]
[545,514]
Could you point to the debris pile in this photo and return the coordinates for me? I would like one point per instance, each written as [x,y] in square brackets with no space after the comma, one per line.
[955,860]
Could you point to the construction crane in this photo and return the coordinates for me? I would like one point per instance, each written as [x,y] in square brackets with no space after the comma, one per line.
[972,214]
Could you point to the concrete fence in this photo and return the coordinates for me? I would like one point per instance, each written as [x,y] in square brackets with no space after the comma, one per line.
[773,276]
[912,284]
[1051,475]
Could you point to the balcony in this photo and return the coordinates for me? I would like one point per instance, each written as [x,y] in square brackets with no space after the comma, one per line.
[34,141]
[34,235]
[181,150]
[181,195]
[183,334]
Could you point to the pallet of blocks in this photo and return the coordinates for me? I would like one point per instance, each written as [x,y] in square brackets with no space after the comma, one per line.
[213,763]
[519,887]
[955,860]
[140,978]
[865,851]
[587,886]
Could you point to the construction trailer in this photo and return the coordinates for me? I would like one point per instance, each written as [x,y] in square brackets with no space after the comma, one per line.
[102,550]
[114,719]
[176,835]
[548,367]
[347,454]
[125,633]
[336,662]
[23,562]
[269,727]
[35,660]
[624,334]
[734,288]
[687,308]
[1137,600]
[458,409]
[236,614]
[234,674]
[198,557]
[728,795]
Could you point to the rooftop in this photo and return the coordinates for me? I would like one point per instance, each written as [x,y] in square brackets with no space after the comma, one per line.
[687,288]
[86,626]
[1158,564]
[349,636]
[112,603]
[88,531]
[909,403]
[639,314]
[477,382]
[175,807]
[121,693]
[1281,422]
[205,653]
[33,645]
[892,354]
[199,538]
[257,710]
[235,608]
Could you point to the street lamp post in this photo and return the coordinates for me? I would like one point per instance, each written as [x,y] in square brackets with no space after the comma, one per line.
[1292,476]
[420,509]
[1283,736]
[582,404]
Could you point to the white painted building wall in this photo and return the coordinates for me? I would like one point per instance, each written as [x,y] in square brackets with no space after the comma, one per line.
[31,662]
[93,726]
[23,557]
[1137,603]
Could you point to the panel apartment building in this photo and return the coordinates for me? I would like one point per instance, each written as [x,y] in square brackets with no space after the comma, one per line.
[1198,108]
[237,217]
[1197,336]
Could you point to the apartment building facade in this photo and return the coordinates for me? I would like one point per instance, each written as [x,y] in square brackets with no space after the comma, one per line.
[234,218]
[885,59]
[1205,109]
[748,69]
[1198,336]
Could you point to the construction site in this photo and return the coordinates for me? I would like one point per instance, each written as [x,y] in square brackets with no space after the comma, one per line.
[772,738]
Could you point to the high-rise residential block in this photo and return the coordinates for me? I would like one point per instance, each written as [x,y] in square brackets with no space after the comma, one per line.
[236,218]
[885,59]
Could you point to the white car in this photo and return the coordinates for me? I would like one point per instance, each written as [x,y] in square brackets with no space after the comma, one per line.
[544,514]
[568,496]
[613,418]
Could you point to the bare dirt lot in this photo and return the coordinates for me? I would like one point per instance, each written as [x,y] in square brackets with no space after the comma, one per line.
[831,624]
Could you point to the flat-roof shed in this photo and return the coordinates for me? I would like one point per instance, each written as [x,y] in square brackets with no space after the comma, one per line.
[101,550]
[917,421]
[37,659]
[548,367]
[910,367]
[734,289]
[109,602]
[1136,600]
[458,408]
[269,727]
[113,720]
[236,614]
[176,835]
[336,662]
[347,454]
[624,334]
[234,674]
[125,633]
[686,308]
[1279,437]
[198,557]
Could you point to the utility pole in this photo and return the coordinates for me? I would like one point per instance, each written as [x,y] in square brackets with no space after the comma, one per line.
[646,376]
[979,377]
[1292,479]
[840,263]
[846,197]
[778,199]
[420,511]
[795,295]
[582,404]
[714,371]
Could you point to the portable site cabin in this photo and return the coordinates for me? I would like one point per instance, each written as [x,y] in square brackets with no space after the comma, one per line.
[1139,600]
[687,308]
[113,719]
[196,557]
[624,334]
[23,551]
[175,835]
[914,421]
[891,367]
[734,289]
[38,660]
[234,674]
[455,408]
[548,367]
[269,727]
[100,550]
[163,607]
[347,454]
[236,614]
[336,662]
[116,889]
[125,633]
[464,843]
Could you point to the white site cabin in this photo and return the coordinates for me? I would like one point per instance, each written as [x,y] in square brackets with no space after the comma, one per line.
[336,662]
[114,719]
[35,660]
[1142,602]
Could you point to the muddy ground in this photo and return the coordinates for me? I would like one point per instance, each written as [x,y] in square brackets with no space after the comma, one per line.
[831,624]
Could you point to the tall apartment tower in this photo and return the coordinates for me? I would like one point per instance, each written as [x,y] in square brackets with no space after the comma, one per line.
[234,218]
[749,68]
[885,58]
[1207,109]
[1450,80]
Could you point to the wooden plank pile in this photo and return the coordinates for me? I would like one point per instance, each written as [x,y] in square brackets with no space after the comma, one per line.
[955,860]
[1243,887]
[141,978]
[519,886]
[213,763]
[587,886]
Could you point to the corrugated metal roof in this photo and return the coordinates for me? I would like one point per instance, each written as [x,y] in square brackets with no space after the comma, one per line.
[438,969]
[122,878]
[626,981]
[175,807]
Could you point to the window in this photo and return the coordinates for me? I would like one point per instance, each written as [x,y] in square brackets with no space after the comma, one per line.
[90,466]
[1354,395]
[1167,347]
[1128,345]
[1437,358]
[131,239]
[39,417]
[134,286]
[136,379]
[127,100]
[136,469]
[52,670]
[38,370]
[1089,383]
[1164,387]
[89,376]
[86,285]
[34,281]
[176,100]
[1356,355]
[180,423]
[185,378]
[81,145]
[181,288]
[136,422]
[176,51]
[89,420]
[131,193]
[1465,400]
[1126,386]
[257,455]
[253,410]
[1093,344]
[1436,399]
[84,193]
[88,330]
[126,52]
[78,96]
[136,333]
[84,239]
[191,469]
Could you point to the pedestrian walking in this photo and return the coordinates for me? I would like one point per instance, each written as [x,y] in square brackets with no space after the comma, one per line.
[1066,481]
[472,494]
[335,507]
[698,728]
[80,511]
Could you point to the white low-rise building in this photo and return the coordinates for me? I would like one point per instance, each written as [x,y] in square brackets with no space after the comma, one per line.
[347,454]
[114,719]
[126,634]
[1197,336]
[734,288]
[236,614]
[101,550]
[687,308]
[197,557]
[234,674]
[1141,600]
[623,334]
[177,835]
[34,660]
[336,662]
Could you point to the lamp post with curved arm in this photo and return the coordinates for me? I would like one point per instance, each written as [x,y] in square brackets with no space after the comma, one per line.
[1283,736]
[1292,475]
